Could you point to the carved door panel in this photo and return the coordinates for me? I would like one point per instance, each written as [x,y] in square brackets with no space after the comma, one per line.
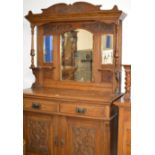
[39,135]
[83,137]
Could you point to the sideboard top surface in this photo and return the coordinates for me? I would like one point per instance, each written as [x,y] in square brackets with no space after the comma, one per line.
[71,95]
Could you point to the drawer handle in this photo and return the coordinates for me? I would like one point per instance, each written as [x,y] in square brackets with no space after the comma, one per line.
[62,142]
[56,141]
[36,105]
[81,110]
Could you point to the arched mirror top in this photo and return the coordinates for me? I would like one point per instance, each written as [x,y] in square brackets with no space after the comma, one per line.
[76,55]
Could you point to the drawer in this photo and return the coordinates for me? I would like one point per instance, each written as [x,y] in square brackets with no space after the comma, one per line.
[87,110]
[40,105]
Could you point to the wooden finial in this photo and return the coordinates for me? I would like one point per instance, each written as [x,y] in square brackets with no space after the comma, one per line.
[127,81]
[115,8]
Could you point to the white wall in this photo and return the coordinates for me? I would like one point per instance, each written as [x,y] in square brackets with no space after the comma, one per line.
[83,43]
[36,7]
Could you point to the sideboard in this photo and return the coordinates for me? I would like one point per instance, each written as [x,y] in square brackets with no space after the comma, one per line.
[71,108]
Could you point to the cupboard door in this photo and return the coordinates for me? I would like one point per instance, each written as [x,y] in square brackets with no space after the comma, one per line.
[39,134]
[83,137]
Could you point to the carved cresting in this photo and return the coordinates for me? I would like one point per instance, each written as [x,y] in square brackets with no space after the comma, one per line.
[38,135]
[77,7]
[59,13]
[83,141]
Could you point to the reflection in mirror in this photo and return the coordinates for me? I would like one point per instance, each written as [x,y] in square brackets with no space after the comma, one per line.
[76,48]
[107,48]
[48,49]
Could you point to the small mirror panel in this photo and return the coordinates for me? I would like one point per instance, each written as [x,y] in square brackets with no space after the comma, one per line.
[76,48]
[48,49]
[107,49]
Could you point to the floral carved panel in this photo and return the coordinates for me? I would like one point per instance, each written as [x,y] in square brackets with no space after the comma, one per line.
[83,141]
[38,135]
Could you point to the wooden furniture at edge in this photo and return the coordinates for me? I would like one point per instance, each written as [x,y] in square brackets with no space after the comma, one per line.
[68,117]
[124,121]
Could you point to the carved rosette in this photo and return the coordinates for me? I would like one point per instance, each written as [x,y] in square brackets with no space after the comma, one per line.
[38,135]
[83,141]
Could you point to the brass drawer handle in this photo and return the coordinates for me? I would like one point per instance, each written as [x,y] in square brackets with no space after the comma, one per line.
[36,105]
[81,110]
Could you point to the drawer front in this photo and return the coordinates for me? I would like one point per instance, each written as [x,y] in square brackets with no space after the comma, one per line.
[40,105]
[87,110]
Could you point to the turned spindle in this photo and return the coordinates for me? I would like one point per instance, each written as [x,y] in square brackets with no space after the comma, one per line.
[32,53]
[116,55]
[127,81]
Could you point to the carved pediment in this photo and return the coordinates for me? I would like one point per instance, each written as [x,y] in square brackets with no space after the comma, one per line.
[78,7]
[78,11]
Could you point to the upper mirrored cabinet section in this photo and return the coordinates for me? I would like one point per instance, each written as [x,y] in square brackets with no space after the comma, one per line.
[107,49]
[76,51]
[77,44]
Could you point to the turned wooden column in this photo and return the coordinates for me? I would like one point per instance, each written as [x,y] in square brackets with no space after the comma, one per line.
[117,64]
[32,52]
[127,81]
[116,54]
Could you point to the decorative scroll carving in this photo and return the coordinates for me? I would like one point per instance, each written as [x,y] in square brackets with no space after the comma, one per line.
[78,11]
[78,7]
[99,27]
[57,28]
[83,141]
[38,135]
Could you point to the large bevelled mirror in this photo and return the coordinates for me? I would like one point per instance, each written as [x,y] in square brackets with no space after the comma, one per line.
[76,48]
